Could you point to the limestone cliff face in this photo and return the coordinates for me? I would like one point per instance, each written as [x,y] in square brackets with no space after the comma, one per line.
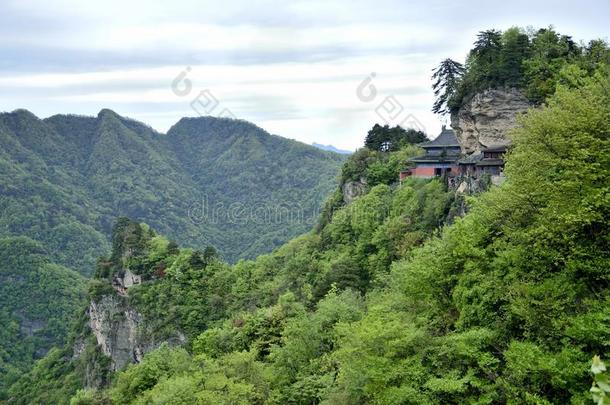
[486,119]
[116,328]
[353,189]
[121,332]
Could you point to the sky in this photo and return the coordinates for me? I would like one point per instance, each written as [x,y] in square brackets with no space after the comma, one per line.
[316,71]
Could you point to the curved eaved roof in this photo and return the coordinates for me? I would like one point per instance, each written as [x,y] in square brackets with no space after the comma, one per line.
[446,139]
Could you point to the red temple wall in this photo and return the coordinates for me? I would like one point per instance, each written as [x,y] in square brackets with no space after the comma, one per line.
[429,171]
[424,171]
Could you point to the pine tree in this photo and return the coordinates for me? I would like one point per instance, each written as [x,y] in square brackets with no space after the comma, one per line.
[446,78]
[486,56]
[515,48]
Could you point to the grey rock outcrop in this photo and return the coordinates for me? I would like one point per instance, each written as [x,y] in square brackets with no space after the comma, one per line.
[116,329]
[122,333]
[353,189]
[486,118]
[125,280]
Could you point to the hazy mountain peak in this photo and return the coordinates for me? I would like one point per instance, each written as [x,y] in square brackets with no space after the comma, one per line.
[106,112]
[331,148]
[21,114]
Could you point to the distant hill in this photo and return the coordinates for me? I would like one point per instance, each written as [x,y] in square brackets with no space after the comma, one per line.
[331,148]
[208,181]
[64,180]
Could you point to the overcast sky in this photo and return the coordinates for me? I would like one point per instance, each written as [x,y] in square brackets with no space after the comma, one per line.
[292,67]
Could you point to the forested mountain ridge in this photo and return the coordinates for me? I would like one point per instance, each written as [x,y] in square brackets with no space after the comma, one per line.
[391,299]
[65,179]
[186,292]
[507,305]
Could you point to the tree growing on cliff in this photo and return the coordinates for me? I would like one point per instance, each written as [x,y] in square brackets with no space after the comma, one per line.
[515,49]
[485,55]
[446,78]
[527,59]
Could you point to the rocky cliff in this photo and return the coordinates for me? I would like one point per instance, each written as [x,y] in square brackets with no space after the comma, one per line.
[487,117]
[116,329]
[119,333]
[353,189]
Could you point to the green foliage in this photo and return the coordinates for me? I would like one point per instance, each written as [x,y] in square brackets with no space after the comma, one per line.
[52,381]
[64,180]
[386,139]
[90,397]
[549,53]
[506,305]
[388,304]
[374,167]
[528,60]
[36,298]
[263,307]
[160,364]
[446,78]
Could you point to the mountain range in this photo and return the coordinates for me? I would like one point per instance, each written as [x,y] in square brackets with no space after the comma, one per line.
[332,148]
[209,181]
[65,179]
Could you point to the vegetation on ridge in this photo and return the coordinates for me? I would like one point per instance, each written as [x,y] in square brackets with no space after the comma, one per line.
[65,179]
[387,301]
[535,61]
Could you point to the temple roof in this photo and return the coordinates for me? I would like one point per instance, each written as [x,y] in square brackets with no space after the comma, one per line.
[495,148]
[446,139]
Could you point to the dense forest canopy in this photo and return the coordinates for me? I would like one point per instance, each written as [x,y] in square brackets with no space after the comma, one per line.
[410,294]
[38,299]
[65,179]
[387,302]
[535,61]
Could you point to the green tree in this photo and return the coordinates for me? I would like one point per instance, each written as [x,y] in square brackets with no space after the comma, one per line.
[486,57]
[514,50]
[386,139]
[445,78]
[549,52]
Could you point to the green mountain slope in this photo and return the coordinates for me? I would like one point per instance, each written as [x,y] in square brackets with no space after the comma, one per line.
[66,178]
[38,300]
[385,302]
[507,305]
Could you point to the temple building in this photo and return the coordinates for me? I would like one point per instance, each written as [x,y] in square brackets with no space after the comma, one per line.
[441,157]
[444,157]
[490,160]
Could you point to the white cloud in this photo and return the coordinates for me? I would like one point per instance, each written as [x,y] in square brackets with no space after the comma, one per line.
[290,67]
